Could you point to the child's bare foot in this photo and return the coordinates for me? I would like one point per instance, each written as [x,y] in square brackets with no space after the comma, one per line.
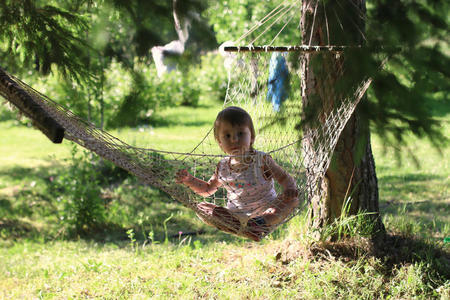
[206,208]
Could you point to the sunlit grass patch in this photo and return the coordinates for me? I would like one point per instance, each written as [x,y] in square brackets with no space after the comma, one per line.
[152,247]
[414,191]
[27,147]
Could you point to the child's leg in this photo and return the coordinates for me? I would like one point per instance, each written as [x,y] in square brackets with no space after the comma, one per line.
[225,220]
[278,213]
[206,208]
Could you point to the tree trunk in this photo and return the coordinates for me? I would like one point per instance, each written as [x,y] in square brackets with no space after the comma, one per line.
[351,173]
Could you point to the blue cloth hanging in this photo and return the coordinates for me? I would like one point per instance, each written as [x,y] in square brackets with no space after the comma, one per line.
[278,82]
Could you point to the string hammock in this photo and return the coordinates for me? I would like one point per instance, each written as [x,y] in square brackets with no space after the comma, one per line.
[277,131]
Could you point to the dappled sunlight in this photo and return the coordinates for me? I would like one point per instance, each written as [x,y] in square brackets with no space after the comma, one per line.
[74,225]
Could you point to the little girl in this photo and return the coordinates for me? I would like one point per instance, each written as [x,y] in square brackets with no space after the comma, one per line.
[253,206]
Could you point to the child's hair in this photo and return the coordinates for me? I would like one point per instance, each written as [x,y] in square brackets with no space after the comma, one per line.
[236,116]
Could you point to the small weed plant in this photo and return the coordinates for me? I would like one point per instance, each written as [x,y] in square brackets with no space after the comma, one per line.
[152,248]
[78,190]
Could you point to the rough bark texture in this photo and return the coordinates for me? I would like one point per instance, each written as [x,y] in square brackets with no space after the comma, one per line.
[352,169]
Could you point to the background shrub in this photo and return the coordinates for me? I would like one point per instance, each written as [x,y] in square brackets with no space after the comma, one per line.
[78,190]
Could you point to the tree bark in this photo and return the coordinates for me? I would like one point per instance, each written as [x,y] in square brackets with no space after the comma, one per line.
[17,95]
[351,173]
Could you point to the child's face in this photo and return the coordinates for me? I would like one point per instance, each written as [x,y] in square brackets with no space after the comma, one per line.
[234,140]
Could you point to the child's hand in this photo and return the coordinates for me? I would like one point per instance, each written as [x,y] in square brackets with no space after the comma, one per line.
[182,176]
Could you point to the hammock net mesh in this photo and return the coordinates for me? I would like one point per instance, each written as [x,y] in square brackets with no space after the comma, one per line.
[277,134]
[303,152]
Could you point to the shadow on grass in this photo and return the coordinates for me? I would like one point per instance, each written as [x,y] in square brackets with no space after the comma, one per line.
[400,186]
[149,213]
[168,220]
[391,252]
[440,108]
[420,197]
[173,222]
[21,174]
[179,230]
[395,179]
[152,219]
[13,229]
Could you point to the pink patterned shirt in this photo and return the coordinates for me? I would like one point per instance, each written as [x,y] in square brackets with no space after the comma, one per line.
[249,193]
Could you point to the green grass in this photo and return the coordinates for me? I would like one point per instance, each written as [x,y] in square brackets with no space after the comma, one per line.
[176,129]
[38,261]
[415,194]
[25,147]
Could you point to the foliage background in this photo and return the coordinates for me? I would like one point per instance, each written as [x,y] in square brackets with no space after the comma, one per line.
[74,226]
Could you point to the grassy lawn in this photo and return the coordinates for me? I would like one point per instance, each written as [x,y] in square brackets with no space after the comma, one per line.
[144,257]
